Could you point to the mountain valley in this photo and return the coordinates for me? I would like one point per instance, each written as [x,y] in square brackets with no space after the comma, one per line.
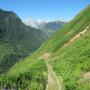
[33,60]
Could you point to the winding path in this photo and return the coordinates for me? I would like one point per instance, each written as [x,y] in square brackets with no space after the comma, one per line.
[53,81]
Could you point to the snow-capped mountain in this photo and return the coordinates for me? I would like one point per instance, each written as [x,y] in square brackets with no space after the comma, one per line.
[34,23]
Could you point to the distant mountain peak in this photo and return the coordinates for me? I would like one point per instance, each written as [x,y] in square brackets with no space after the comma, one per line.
[48,27]
[34,23]
[39,23]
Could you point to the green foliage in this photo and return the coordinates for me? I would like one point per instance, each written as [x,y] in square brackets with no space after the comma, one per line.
[16,40]
[33,79]
[72,62]
[5,51]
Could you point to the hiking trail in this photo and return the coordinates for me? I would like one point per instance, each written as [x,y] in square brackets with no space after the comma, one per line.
[53,81]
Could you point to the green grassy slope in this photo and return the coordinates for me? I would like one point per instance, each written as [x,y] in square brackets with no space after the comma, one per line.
[68,31]
[31,76]
[70,62]
[73,62]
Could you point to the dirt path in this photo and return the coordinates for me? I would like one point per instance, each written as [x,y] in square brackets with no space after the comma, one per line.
[76,36]
[53,81]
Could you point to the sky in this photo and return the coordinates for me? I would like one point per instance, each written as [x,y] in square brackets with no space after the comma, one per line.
[45,9]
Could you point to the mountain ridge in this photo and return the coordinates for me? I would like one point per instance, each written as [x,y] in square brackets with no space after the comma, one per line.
[20,39]
[48,27]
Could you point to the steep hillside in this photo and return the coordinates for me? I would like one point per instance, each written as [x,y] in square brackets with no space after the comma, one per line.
[16,39]
[68,31]
[13,30]
[70,55]
[72,63]
[69,58]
